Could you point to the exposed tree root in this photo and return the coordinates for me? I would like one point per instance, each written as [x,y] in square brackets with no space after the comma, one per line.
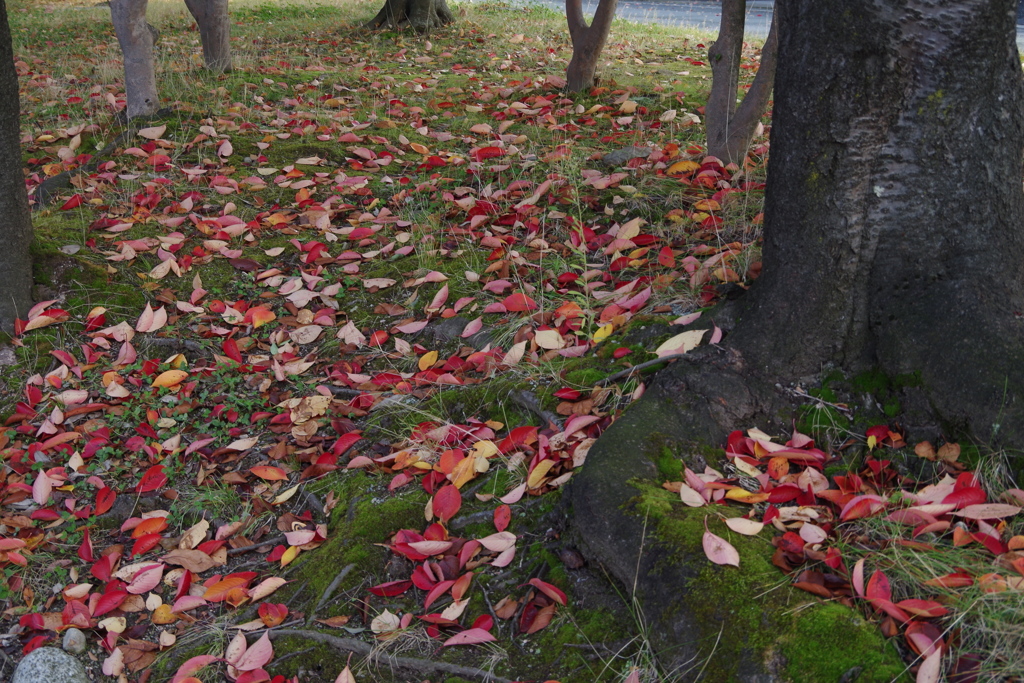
[422,15]
[415,664]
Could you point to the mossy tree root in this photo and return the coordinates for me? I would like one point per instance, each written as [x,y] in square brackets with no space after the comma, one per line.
[412,664]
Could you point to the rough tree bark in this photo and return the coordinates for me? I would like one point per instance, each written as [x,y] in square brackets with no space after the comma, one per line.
[893,241]
[730,127]
[587,42]
[422,15]
[16,226]
[214,31]
[136,40]
[894,205]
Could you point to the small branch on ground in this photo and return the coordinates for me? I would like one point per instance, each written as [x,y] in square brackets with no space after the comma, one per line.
[246,548]
[421,666]
[528,400]
[330,591]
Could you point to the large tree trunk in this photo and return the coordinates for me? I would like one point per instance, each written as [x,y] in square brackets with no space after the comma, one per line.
[893,220]
[422,15]
[587,42]
[16,226]
[893,241]
[729,127]
[215,32]
[133,33]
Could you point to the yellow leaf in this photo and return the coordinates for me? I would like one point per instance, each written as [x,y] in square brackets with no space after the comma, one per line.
[681,343]
[629,230]
[603,333]
[463,472]
[427,360]
[171,378]
[682,167]
[484,449]
[418,148]
[285,495]
[538,473]
[163,615]
[289,555]
[745,496]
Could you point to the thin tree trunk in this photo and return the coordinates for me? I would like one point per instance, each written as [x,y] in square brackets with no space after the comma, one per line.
[587,42]
[16,226]
[730,127]
[215,32]
[422,15]
[894,210]
[136,40]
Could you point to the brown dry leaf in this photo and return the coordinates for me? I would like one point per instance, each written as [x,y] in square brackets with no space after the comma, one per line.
[949,452]
[334,622]
[506,608]
[194,536]
[193,560]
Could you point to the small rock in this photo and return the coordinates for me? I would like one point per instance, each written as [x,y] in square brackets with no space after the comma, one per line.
[7,356]
[74,641]
[621,157]
[49,664]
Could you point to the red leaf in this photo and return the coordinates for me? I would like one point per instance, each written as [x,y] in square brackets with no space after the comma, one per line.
[502,516]
[487,153]
[85,549]
[230,348]
[391,588]
[104,500]
[109,602]
[878,586]
[145,544]
[519,302]
[447,502]
[73,203]
[153,479]
[666,258]
[550,591]
[971,495]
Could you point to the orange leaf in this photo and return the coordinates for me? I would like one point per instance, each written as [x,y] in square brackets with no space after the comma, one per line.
[269,472]
[153,525]
[218,591]
[171,378]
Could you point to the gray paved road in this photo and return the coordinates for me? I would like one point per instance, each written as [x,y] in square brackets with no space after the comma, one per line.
[704,14]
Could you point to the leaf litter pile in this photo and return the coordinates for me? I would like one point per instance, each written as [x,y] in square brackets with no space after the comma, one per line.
[355,230]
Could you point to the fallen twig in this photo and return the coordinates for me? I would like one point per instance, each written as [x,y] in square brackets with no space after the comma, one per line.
[330,591]
[247,548]
[410,663]
[526,399]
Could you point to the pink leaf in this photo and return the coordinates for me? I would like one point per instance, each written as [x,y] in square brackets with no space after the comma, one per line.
[258,654]
[473,327]
[471,636]
[858,577]
[41,488]
[146,579]
[719,550]
[931,668]
[193,665]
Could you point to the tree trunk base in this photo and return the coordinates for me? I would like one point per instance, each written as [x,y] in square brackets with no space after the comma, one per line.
[422,15]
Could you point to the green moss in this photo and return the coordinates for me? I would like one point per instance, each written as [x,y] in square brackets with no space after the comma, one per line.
[842,642]
[749,612]
[586,377]
[670,467]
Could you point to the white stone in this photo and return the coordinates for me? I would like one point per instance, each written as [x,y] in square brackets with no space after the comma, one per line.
[74,641]
[49,664]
